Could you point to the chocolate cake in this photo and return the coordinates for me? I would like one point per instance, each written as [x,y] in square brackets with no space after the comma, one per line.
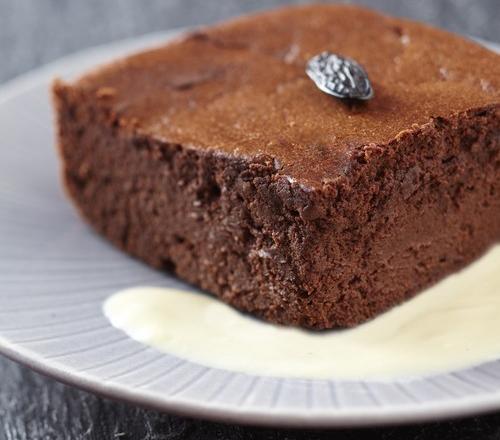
[216,158]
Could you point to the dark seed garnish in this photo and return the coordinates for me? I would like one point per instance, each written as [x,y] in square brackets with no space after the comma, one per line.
[338,76]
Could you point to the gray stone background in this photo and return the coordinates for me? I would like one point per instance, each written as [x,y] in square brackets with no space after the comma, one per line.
[33,32]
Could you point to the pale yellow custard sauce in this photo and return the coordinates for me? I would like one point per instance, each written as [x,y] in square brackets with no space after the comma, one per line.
[453,325]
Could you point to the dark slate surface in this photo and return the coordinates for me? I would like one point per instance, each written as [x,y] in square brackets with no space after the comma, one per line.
[33,32]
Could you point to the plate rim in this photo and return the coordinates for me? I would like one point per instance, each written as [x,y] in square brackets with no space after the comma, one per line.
[386,415]
[372,417]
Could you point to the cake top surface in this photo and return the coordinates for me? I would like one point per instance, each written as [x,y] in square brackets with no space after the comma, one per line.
[241,87]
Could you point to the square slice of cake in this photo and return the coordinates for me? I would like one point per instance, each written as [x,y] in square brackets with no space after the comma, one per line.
[216,157]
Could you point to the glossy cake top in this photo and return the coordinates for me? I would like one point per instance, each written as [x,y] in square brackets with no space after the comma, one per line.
[241,87]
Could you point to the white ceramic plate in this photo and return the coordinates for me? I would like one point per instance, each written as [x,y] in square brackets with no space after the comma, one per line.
[55,274]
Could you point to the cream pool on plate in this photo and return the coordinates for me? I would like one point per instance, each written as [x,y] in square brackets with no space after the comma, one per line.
[453,325]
